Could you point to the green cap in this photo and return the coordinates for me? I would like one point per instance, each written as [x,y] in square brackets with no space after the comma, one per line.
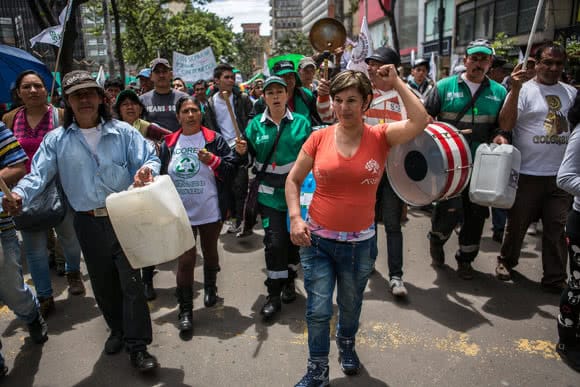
[274,79]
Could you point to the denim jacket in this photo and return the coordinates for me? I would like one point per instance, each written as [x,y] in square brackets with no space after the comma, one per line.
[87,179]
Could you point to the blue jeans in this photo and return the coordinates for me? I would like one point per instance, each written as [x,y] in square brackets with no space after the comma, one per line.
[14,293]
[36,252]
[498,219]
[326,263]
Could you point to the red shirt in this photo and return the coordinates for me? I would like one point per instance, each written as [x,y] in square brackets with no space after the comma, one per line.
[346,187]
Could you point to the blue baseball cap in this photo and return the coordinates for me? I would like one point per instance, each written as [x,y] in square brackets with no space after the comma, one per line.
[145,73]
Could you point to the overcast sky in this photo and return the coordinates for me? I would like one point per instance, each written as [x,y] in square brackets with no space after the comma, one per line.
[243,11]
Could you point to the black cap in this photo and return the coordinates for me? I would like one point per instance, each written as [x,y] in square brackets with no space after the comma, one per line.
[385,55]
[286,67]
[422,62]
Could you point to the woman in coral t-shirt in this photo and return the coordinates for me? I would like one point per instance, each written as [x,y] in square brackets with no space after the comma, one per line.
[338,236]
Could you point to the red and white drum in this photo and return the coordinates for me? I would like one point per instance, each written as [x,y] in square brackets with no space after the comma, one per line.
[435,165]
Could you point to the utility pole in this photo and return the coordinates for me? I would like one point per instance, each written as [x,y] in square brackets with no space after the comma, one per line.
[441,22]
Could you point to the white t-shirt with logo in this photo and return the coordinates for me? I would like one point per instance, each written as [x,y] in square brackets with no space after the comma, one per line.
[541,131]
[194,181]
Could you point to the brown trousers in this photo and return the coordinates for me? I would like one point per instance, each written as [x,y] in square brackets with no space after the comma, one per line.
[538,197]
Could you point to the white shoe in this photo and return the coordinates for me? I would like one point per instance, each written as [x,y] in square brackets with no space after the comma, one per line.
[397,287]
[232,229]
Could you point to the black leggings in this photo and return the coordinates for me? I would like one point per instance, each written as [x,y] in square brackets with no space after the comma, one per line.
[569,320]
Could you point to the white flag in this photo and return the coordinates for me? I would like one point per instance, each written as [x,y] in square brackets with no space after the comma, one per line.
[101,77]
[433,67]
[265,69]
[362,50]
[53,35]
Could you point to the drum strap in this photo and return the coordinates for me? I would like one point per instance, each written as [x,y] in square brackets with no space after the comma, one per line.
[472,102]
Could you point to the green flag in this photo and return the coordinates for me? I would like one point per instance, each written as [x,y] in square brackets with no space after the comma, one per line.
[294,58]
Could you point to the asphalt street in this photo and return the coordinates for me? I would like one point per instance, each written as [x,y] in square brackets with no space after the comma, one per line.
[447,332]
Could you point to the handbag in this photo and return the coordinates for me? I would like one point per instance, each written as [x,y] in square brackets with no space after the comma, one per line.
[251,202]
[46,211]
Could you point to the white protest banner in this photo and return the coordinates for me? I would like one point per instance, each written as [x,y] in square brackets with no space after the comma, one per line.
[196,66]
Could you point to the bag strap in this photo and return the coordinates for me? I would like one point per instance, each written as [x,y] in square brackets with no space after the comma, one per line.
[472,102]
[271,153]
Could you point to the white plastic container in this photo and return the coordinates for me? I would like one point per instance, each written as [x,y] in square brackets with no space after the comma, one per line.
[151,223]
[496,171]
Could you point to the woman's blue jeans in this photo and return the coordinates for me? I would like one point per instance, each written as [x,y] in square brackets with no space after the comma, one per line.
[36,252]
[327,263]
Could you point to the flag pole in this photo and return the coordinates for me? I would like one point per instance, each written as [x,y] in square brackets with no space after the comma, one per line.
[532,32]
[68,10]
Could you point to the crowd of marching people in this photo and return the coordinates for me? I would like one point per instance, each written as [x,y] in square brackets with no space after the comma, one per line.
[238,155]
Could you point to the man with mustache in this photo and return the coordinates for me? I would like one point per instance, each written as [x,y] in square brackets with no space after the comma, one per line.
[483,99]
[535,112]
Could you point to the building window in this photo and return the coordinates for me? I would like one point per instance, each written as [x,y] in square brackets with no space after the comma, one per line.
[526,13]
[506,13]
[484,18]
[432,23]
[484,21]
[7,31]
[465,23]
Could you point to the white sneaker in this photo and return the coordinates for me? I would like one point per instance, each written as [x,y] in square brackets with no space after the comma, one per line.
[232,229]
[397,287]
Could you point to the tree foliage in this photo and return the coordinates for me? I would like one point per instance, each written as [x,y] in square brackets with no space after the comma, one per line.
[293,43]
[247,48]
[151,29]
[503,45]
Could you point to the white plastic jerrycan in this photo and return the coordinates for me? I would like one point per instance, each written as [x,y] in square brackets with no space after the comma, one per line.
[151,223]
[494,180]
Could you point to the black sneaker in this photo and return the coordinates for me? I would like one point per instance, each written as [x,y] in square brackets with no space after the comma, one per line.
[143,361]
[347,357]
[46,306]
[114,344]
[570,355]
[464,270]
[38,330]
[316,374]
[288,292]
[437,253]
[271,308]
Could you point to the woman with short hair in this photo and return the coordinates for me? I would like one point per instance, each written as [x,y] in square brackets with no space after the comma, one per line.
[338,236]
